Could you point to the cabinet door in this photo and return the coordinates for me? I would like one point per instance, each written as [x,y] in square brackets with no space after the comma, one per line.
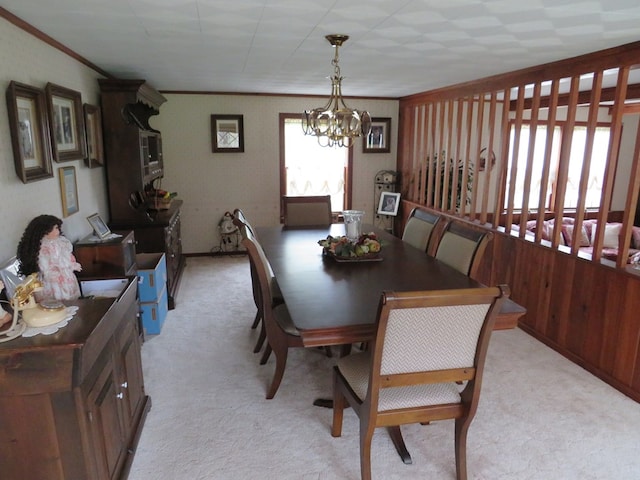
[130,374]
[104,406]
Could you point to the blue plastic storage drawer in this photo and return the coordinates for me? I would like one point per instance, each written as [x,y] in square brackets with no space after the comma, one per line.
[152,276]
[154,314]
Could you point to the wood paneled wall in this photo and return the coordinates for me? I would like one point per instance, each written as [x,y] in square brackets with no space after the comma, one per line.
[585,308]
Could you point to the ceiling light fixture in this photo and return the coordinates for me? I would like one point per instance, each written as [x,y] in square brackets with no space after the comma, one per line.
[335,124]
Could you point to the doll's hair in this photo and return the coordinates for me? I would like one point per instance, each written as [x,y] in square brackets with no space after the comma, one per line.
[29,246]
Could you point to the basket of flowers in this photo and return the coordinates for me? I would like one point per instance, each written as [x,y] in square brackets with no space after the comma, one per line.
[341,249]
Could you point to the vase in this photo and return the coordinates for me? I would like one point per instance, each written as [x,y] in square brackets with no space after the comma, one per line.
[353,223]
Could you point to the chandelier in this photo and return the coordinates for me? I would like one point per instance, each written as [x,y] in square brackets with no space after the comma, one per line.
[335,124]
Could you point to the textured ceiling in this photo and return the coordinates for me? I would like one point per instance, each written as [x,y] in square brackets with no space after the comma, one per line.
[397,47]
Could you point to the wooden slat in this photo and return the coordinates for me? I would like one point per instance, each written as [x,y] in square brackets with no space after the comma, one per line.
[548,148]
[592,123]
[612,163]
[488,167]
[449,159]
[473,210]
[533,130]
[514,158]
[502,162]
[457,155]
[467,154]
[563,161]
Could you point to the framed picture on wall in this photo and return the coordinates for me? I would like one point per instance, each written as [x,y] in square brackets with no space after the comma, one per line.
[67,123]
[389,203]
[227,133]
[379,138]
[68,190]
[93,134]
[29,128]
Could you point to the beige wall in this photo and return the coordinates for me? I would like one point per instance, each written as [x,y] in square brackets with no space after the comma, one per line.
[209,184]
[26,59]
[212,183]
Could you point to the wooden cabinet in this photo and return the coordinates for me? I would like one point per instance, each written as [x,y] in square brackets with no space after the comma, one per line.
[134,163]
[162,236]
[106,259]
[72,405]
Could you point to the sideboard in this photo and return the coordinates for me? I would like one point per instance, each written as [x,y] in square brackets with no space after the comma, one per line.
[72,404]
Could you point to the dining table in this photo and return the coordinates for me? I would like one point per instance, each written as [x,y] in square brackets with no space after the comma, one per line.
[334,301]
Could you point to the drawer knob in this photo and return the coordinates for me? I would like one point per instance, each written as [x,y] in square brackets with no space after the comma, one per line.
[120,396]
[124,385]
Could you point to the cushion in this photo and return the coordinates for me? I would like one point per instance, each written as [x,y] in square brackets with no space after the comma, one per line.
[417,233]
[611,234]
[583,238]
[456,251]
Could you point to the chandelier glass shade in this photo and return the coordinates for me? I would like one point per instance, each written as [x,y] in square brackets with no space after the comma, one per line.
[335,124]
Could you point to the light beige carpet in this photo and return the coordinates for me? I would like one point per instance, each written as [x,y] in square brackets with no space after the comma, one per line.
[540,416]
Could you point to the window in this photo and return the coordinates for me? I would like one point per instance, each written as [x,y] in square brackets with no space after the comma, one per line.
[309,169]
[576,158]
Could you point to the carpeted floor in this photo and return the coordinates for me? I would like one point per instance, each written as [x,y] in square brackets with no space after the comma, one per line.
[540,416]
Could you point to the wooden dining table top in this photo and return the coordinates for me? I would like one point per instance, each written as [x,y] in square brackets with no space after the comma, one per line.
[336,303]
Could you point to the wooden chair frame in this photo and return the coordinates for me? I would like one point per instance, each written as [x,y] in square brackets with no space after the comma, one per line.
[280,332]
[463,412]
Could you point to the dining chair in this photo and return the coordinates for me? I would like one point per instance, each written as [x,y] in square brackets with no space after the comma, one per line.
[307,211]
[419,228]
[240,221]
[425,342]
[462,246]
[280,331]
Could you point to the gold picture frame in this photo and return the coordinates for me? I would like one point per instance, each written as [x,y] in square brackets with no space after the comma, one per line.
[227,133]
[29,126]
[68,190]
[93,136]
[67,123]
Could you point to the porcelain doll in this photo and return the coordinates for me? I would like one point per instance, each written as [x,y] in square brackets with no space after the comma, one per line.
[45,250]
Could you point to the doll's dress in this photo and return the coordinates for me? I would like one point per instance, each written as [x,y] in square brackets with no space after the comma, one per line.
[57,264]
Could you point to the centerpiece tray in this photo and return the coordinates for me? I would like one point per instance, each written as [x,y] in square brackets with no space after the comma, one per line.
[342,250]
[362,258]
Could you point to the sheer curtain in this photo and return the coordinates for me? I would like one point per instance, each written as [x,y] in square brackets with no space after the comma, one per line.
[311,169]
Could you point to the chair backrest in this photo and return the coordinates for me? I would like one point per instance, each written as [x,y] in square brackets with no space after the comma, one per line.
[307,211]
[240,221]
[419,228]
[261,267]
[430,337]
[462,246]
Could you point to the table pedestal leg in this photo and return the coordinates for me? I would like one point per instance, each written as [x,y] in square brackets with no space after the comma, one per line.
[398,442]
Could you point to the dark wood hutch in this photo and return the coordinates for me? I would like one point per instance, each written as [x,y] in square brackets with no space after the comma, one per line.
[134,166]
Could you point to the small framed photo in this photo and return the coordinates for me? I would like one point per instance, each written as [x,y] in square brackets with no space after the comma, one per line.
[68,190]
[93,135]
[29,126]
[379,138]
[67,123]
[100,228]
[389,203]
[227,133]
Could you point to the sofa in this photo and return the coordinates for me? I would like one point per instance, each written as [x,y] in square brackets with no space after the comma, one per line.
[587,236]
